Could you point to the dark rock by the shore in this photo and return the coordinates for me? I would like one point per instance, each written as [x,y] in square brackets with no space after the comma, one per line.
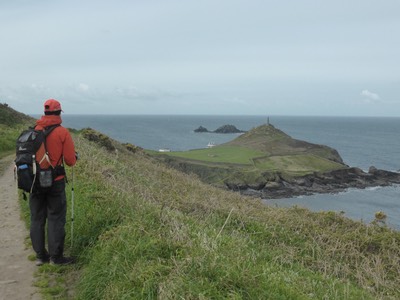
[228,129]
[319,183]
[222,129]
[201,129]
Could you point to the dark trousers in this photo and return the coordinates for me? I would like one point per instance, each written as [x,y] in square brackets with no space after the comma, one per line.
[51,205]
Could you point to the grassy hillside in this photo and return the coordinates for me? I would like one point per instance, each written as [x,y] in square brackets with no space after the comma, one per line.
[145,231]
[254,157]
[11,117]
[11,125]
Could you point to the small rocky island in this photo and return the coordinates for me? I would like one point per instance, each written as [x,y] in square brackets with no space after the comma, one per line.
[222,129]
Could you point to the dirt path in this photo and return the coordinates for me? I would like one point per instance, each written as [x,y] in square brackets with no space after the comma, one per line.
[16,271]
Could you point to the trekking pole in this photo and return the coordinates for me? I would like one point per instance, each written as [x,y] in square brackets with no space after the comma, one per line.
[72,209]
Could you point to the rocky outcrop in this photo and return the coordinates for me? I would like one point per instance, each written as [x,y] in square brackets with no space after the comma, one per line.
[319,183]
[228,129]
[201,129]
[222,129]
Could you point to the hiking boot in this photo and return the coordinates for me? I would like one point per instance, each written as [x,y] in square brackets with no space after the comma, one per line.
[41,261]
[62,261]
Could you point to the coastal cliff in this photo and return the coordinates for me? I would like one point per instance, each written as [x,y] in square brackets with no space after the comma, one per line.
[320,183]
[268,163]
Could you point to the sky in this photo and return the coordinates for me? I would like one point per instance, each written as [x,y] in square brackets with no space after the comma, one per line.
[212,57]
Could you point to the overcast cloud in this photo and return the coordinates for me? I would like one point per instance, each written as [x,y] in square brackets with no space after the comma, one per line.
[305,57]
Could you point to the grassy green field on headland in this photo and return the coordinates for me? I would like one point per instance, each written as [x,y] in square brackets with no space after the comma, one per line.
[143,230]
[254,157]
[222,154]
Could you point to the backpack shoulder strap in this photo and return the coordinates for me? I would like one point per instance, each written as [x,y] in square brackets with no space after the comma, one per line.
[46,132]
[49,129]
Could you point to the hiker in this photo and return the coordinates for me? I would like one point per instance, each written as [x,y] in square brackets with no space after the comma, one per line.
[51,203]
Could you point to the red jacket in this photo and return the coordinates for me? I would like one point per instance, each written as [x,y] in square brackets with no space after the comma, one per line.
[59,143]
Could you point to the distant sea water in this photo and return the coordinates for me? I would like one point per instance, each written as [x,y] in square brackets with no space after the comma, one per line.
[361,142]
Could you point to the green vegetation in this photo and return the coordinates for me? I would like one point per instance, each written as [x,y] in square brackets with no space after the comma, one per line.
[254,158]
[221,154]
[296,164]
[98,137]
[8,137]
[145,231]
[11,117]
[11,125]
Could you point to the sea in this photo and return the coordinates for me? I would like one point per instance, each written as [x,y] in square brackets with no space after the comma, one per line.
[361,141]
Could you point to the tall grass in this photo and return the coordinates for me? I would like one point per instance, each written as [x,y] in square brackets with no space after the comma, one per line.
[8,137]
[144,231]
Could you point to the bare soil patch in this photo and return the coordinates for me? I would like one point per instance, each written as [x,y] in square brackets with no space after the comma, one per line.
[16,271]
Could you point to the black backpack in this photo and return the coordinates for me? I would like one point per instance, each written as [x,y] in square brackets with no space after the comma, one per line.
[28,169]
